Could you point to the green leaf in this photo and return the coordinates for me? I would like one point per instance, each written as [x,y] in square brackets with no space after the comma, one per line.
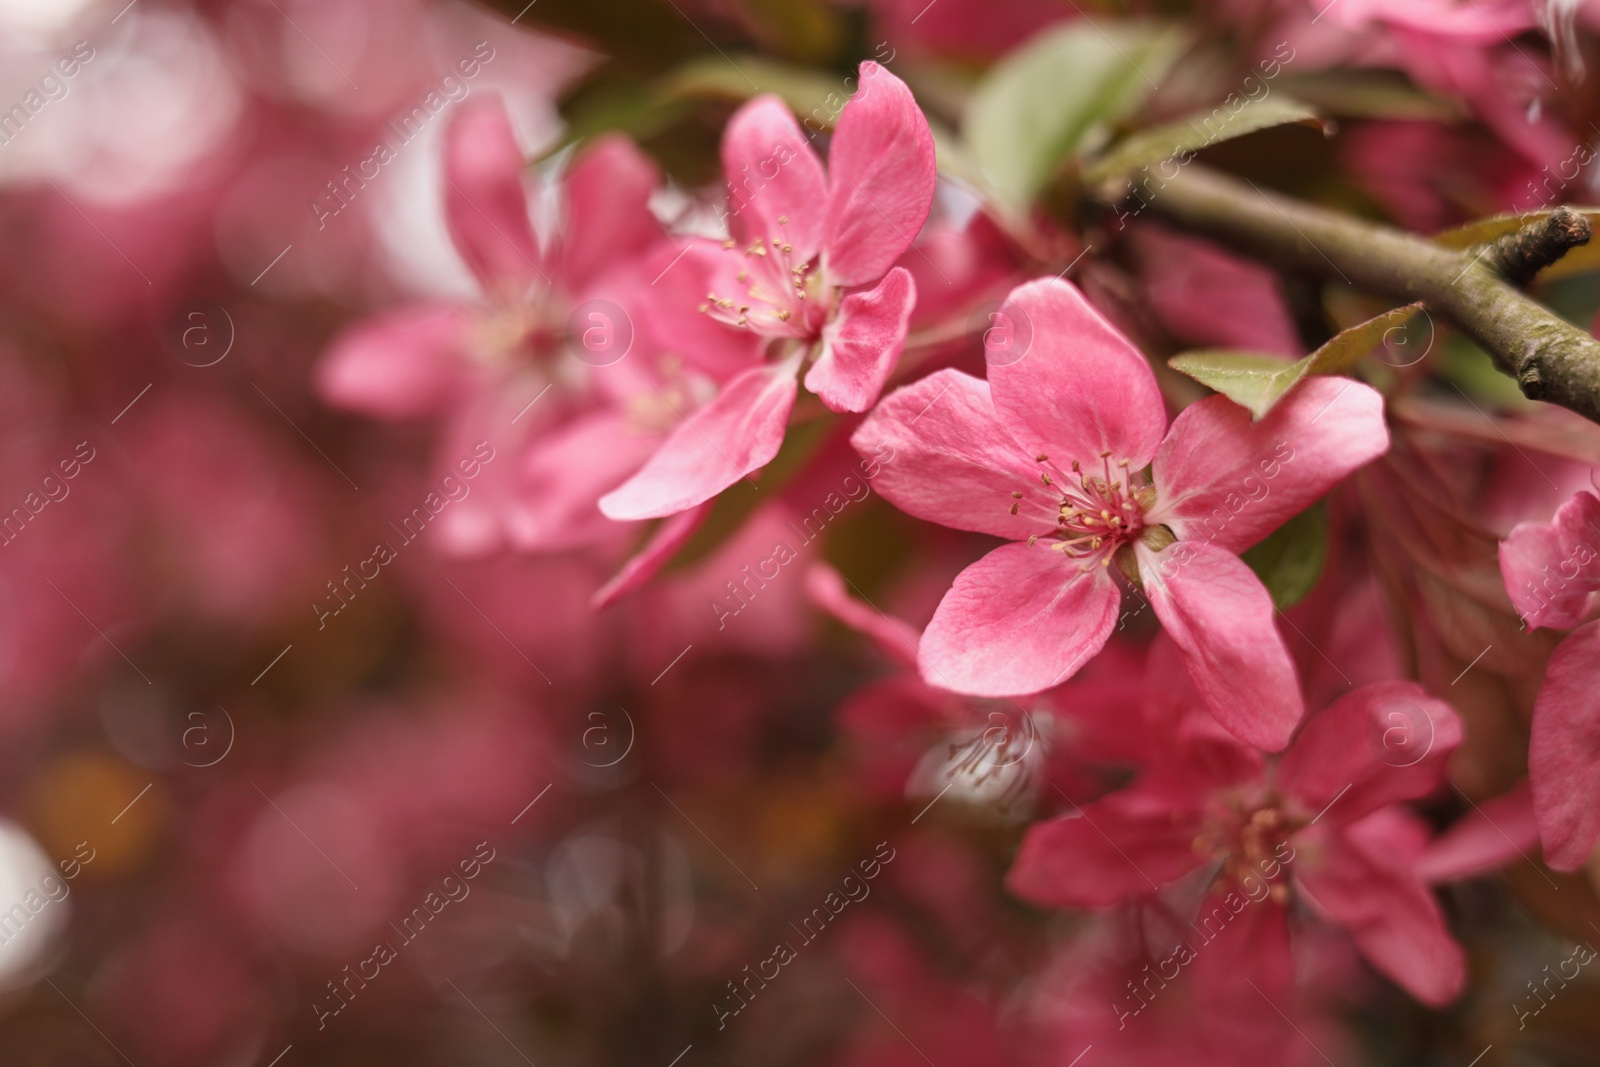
[1576,261]
[808,30]
[1348,347]
[809,93]
[1058,97]
[603,106]
[1252,379]
[1258,381]
[1203,128]
[1290,560]
[1368,94]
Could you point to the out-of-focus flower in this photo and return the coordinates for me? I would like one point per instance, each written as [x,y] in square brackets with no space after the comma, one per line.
[963,29]
[1322,824]
[1143,989]
[1210,297]
[392,803]
[230,516]
[556,318]
[1552,571]
[1063,428]
[33,906]
[991,758]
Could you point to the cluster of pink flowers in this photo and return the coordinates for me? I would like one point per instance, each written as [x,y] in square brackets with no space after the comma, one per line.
[653,532]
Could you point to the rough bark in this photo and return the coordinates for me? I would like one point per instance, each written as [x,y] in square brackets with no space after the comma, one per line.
[1477,289]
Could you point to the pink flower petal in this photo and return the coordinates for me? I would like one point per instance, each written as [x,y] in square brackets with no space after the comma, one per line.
[566,470]
[737,433]
[881,177]
[1365,884]
[1491,835]
[1104,853]
[608,209]
[664,542]
[1377,745]
[772,173]
[863,343]
[1564,751]
[1210,297]
[1224,479]
[666,310]
[1020,620]
[1549,567]
[956,267]
[1067,384]
[485,204]
[947,458]
[496,511]
[1220,615]
[895,638]
[1241,932]
[411,361]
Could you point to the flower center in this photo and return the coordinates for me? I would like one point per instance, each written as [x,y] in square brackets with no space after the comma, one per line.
[1254,845]
[522,332]
[776,296]
[1102,512]
[997,761]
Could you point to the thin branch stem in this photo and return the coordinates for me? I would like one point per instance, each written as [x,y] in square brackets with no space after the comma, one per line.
[1551,359]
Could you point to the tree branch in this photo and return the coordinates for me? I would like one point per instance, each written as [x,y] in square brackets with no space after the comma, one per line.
[1477,289]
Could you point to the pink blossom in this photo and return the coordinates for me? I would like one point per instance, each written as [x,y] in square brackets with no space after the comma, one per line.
[1492,834]
[1135,988]
[1051,453]
[1322,823]
[487,368]
[1551,575]
[1209,296]
[809,269]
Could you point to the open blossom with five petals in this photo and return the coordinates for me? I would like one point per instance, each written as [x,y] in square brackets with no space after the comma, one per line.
[1552,572]
[559,315]
[1323,824]
[809,269]
[1051,453]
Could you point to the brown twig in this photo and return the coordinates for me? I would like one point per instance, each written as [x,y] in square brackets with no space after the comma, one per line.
[1478,289]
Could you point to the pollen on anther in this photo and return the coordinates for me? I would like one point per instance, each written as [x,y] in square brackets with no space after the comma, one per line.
[1014,508]
[1040,458]
[1045,478]
[1016,494]
[783,220]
